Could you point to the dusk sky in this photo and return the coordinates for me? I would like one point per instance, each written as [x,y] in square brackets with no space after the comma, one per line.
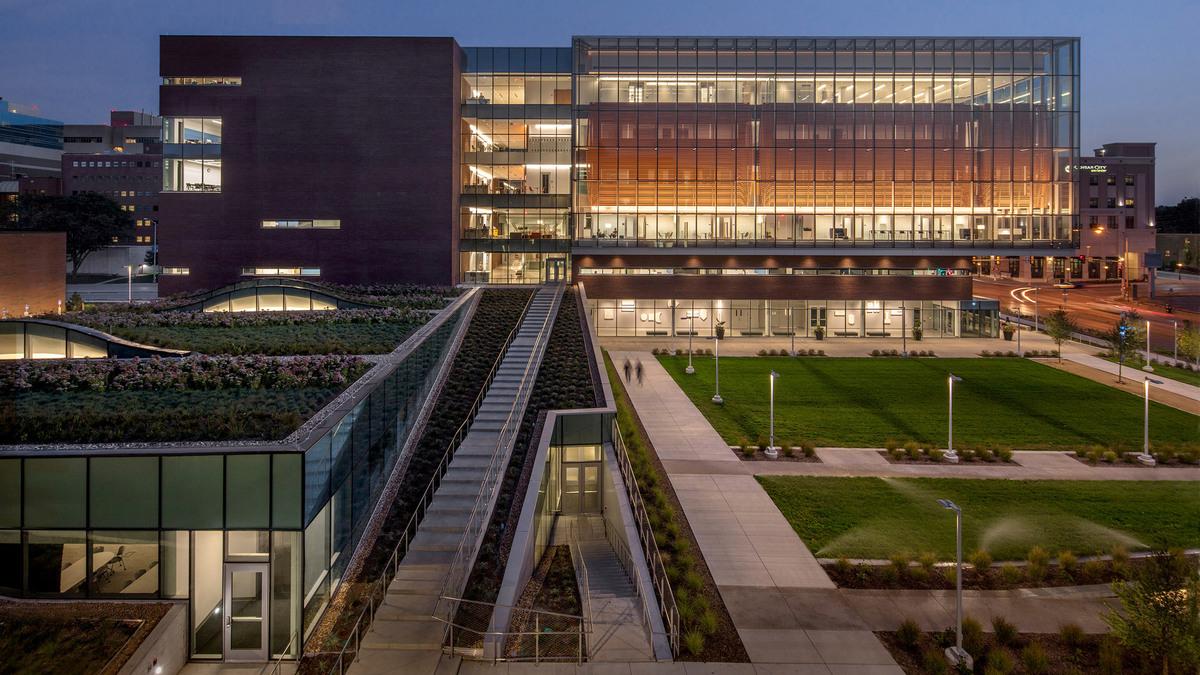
[77,59]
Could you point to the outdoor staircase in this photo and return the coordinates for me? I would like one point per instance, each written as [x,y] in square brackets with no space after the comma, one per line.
[404,622]
[613,607]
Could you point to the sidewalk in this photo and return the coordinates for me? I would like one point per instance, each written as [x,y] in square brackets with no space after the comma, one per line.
[750,346]
[755,557]
[1134,374]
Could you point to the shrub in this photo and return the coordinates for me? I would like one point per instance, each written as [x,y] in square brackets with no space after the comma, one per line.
[999,662]
[934,662]
[1034,658]
[935,454]
[966,454]
[1093,571]
[908,634]
[708,622]
[900,561]
[762,352]
[1067,562]
[896,453]
[1081,452]
[748,450]
[1005,631]
[787,450]
[912,450]
[764,442]
[1109,457]
[693,642]
[888,575]
[973,640]
[891,444]
[981,560]
[842,565]
[1005,454]
[808,448]
[1072,636]
[1038,558]
[1010,574]
[874,352]
[927,561]
[1120,560]
[654,351]
[987,455]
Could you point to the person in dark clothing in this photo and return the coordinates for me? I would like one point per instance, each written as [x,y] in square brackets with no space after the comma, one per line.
[639,372]
[627,370]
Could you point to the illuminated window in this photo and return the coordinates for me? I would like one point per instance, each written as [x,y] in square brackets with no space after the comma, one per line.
[192,81]
[281,271]
[192,154]
[176,271]
[302,224]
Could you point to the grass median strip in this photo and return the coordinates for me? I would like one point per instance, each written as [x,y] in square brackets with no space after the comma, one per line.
[862,402]
[879,517]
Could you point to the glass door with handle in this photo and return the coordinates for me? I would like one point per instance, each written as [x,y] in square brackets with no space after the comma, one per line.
[245,610]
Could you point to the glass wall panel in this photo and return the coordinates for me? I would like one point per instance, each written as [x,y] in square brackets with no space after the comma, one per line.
[12,340]
[124,491]
[285,593]
[287,483]
[316,566]
[10,493]
[124,563]
[208,566]
[57,562]
[86,346]
[46,342]
[247,491]
[55,492]
[10,562]
[192,491]
[247,544]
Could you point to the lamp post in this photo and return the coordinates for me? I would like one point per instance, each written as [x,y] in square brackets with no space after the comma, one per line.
[717,363]
[1020,318]
[1175,341]
[771,451]
[956,654]
[1148,368]
[903,329]
[129,283]
[951,456]
[692,331]
[1146,458]
[1036,295]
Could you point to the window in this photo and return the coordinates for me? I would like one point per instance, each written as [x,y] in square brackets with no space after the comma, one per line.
[303,224]
[192,154]
[193,81]
[1110,180]
[1129,179]
[281,271]
[1129,223]
[1112,222]
[1094,202]
[176,271]
[1111,203]
[1093,179]
[1128,201]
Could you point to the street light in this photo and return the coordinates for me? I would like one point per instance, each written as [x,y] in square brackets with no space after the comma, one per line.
[1146,458]
[951,456]
[692,317]
[1175,340]
[956,654]
[1148,368]
[129,270]
[717,362]
[1020,319]
[771,451]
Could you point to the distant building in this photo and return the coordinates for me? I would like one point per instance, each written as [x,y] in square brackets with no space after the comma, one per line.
[31,281]
[1116,210]
[30,145]
[128,132]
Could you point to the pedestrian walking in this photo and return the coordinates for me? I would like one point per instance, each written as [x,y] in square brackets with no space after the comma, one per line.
[639,372]
[627,369]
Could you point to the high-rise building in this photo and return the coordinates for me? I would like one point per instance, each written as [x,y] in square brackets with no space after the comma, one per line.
[30,145]
[776,186]
[1116,211]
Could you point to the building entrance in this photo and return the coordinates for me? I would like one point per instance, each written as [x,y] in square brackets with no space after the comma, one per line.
[245,610]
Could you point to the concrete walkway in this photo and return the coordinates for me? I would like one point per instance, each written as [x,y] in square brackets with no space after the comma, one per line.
[1174,386]
[754,555]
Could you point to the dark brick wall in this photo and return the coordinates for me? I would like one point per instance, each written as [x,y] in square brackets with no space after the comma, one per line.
[32,271]
[359,129]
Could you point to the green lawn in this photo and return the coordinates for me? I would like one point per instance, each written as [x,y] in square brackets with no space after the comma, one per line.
[874,517]
[1172,372]
[862,402]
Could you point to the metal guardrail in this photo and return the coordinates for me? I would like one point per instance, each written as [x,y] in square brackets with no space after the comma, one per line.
[464,556]
[379,587]
[555,636]
[283,656]
[583,585]
[658,570]
[625,557]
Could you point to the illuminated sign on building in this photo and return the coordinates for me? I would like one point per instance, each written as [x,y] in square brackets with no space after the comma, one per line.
[1091,168]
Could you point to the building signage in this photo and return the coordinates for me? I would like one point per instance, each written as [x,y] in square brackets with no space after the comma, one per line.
[1091,168]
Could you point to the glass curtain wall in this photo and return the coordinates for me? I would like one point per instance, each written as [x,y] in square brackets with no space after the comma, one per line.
[516,155]
[800,142]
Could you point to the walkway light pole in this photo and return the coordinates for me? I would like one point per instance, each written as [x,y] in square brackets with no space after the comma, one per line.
[903,329]
[1036,295]
[1148,368]
[1020,319]
[956,654]
[951,456]
[720,332]
[1175,340]
[692,331]
[129,284]
[771,451]
[1146,458]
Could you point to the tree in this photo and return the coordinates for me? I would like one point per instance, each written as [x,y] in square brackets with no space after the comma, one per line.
[1123,341]
[1060,327]
[90,220]
[1160,612]
[1188,342]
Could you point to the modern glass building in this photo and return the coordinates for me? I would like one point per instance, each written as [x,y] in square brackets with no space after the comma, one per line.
[776,183]
[256,537]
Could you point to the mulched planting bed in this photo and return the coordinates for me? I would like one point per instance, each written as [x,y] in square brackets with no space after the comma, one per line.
[902,574]
[757,455]
[713,636]
[1024,653]
[73,637]
[564,382]
[964,457]
[498,312]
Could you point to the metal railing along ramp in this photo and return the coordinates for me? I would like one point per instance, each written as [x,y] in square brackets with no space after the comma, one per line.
[441,553]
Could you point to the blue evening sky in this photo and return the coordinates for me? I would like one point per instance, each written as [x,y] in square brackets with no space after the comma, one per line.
[77,59]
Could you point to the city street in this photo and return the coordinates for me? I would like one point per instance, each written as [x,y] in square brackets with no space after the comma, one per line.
[1097,306]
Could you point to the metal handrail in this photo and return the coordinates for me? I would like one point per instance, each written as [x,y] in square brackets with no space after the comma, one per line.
[581,621]
[379,588]
[283,655]
[658,570]
[461,564]
[625,557]
[585,590]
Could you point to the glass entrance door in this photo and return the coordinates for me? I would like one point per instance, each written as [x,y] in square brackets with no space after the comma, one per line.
[581,487]
[245,610]
[556,269]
